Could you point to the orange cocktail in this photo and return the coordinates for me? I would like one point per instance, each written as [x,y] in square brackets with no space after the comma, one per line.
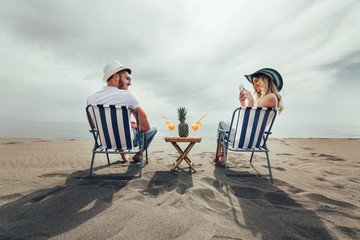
[195,127]
[171,127]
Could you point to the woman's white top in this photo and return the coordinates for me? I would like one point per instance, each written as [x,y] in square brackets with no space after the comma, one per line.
[276,99]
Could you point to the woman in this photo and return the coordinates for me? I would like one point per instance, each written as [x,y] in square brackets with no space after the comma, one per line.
[267,83]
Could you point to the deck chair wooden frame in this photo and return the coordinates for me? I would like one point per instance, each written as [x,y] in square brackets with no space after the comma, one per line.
[111,128]
[250,128]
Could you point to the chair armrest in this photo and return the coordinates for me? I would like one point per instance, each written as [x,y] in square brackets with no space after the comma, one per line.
[222,130]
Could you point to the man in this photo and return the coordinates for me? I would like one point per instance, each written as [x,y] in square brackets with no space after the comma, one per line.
[116,93]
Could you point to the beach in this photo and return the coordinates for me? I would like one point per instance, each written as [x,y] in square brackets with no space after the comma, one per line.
[45,192]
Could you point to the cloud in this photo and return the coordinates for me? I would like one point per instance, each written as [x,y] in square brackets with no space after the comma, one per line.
[183,53]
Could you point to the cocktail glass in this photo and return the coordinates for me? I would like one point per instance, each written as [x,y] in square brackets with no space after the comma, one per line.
[171,127]
[195,127]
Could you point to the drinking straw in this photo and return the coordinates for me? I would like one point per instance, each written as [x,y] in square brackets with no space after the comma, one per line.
[202,117]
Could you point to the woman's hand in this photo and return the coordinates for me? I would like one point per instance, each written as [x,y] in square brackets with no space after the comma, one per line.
[133,124]
[245,94]
[242,98]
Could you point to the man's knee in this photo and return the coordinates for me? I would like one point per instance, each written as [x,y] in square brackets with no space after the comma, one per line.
[152,131]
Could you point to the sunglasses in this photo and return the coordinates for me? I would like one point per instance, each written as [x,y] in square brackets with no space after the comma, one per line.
[127,78]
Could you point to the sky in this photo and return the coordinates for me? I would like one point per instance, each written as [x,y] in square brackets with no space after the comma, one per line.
[182,53]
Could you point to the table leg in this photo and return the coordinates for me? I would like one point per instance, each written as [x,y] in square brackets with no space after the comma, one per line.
[183,155]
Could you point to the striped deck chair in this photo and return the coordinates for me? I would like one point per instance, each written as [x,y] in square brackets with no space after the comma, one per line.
[249,130]
[111,129]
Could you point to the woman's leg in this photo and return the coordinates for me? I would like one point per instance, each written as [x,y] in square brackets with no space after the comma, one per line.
[220,137]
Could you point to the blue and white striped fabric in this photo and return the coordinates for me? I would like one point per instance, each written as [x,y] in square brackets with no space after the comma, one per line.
[113,124]
[249,125]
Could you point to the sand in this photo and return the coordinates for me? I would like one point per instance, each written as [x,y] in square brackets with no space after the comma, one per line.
[45,193]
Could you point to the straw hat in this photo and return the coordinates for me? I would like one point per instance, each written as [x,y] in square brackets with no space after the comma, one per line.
[113,67]
[272,74]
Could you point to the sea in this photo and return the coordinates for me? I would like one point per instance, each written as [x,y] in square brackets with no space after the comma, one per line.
[67,130]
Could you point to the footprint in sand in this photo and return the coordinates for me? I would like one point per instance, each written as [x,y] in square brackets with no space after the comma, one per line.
[208,196]
[247,192]
[157,151]
[139,184]
[328,157]
[10,196]
[321,198]
[138,198]
[279,169]
[353,180]
[284,143]
[332,158]
[53,175]
[308,148]
[285,154]
[350,232]
[215,183]
[320,179]
[44,196]
[9,143]
[291,188]
[338,186]
[280,198]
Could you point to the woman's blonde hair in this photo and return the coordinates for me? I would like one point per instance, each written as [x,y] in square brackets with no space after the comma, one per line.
[267,86]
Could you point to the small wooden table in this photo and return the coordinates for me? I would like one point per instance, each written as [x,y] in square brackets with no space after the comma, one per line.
[183,154]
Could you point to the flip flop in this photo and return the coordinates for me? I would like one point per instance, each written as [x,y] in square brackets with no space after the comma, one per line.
[136,160]
[216,159]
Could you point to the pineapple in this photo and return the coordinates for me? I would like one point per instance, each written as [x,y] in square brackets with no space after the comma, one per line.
[183,126]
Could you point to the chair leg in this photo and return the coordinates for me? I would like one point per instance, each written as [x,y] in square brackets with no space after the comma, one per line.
[146,156]
[91,165]
[145,146]
[107,155]
[252,154]
[226,162]
[146,153]
[141,156]
[268,160]
[217,148]
[141,163]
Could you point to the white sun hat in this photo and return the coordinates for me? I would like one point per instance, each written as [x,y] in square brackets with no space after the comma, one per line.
[113,67]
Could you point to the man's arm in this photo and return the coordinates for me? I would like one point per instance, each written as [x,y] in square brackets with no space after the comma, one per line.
[143,120]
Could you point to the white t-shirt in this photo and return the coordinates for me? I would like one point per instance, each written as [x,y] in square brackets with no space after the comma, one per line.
[114,96]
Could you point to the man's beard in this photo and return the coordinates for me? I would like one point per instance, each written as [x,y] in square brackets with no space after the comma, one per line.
[121,85]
